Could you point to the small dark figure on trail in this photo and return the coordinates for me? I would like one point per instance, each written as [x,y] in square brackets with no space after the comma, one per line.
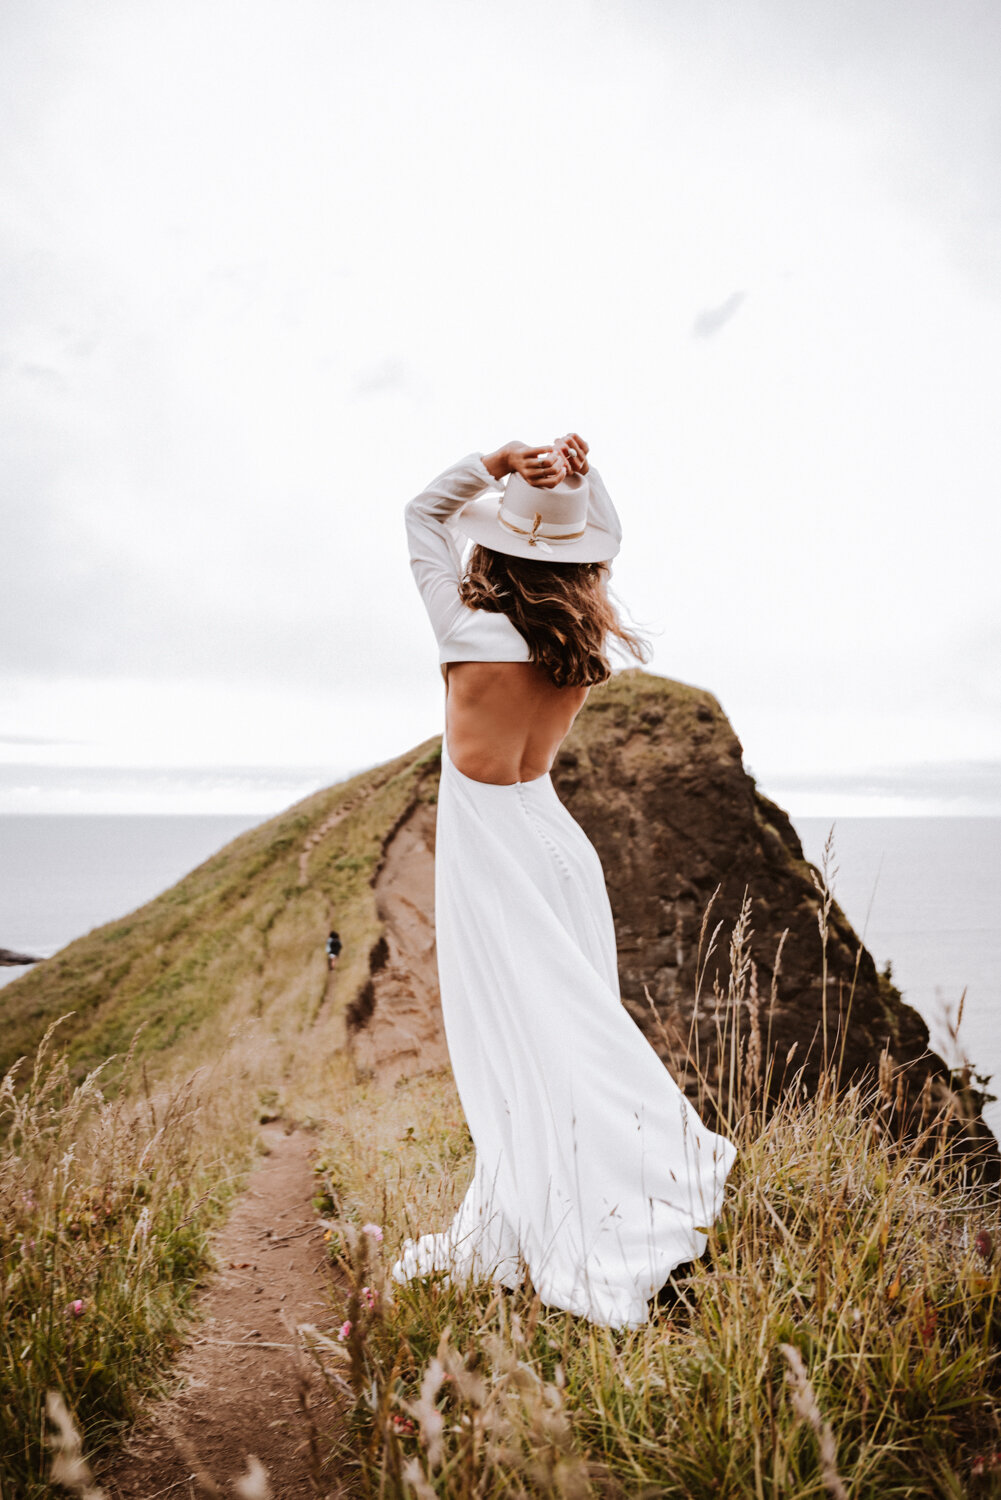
[333,949]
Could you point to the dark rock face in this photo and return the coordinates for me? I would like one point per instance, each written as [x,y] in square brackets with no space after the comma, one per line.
[16,960]
[652,771]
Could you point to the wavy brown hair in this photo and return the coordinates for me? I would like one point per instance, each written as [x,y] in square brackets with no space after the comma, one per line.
[561,609]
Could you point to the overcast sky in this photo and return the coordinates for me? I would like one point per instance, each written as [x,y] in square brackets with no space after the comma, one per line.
[266,268]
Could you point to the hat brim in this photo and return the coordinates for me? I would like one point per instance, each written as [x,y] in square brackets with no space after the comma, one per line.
[478,519]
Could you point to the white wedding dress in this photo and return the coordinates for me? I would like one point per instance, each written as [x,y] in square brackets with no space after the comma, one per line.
[593,1172]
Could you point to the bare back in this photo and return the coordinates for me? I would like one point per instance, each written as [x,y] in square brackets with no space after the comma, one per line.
[505,720]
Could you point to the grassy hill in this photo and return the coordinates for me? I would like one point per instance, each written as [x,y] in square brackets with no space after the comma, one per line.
[148,1050]
[240,937]
[841,1336]
[653,772]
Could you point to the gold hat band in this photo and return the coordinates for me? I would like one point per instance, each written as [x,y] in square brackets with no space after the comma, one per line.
[534,537]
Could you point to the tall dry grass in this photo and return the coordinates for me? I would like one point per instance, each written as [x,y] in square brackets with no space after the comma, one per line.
[840,1336]
[106,1202]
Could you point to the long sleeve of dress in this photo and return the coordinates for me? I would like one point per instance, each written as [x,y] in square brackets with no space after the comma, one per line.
[435,554]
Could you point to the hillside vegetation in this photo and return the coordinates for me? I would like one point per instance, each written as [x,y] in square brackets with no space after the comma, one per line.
[841,1335]
[125,1132]
[241,937]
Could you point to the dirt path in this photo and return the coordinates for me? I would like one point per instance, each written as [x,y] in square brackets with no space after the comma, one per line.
[243,1390]
[329,824]
[398,1032]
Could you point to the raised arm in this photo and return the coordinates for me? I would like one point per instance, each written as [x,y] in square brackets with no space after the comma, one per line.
[435,553]
[600,507]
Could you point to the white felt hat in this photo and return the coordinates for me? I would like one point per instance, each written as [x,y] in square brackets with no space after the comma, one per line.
[547,525]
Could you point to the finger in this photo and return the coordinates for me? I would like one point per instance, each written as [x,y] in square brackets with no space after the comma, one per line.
[550,471]
[550,457]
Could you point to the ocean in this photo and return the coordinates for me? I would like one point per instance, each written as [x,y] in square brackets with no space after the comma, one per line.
[923,893]
[62,875]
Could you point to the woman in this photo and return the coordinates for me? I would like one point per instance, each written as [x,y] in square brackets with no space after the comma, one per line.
[592,1170]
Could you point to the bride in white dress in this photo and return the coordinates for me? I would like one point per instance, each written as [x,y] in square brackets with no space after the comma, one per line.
[593,1173]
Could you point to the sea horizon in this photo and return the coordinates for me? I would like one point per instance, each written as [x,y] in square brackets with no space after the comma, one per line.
[922,893]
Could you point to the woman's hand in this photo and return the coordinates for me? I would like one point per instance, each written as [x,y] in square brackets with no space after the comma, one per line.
[574,450]
[543,467]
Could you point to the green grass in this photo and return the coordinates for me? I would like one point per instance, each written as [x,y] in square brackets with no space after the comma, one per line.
[123,1141]
[105,1209]
[841,1335]
[238,937]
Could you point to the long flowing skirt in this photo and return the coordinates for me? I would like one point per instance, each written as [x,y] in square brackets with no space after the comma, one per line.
[593,1172]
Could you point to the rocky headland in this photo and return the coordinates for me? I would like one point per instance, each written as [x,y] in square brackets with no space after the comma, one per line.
[11,960]
[653,772]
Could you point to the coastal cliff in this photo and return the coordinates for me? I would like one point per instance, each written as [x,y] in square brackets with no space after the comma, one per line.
[655,775]
[653,772]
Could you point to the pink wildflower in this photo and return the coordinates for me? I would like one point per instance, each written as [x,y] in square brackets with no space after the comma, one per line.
[403,1425]
[369,1296]
[345,1330]
[374,1230]
[77,1307]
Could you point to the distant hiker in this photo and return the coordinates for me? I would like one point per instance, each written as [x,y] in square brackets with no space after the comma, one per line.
[333,949]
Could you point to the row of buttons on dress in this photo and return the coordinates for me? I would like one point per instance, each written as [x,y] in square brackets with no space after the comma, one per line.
[553,847]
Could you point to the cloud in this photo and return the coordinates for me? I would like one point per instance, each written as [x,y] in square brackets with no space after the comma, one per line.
[37,739]
[256,295]
[383,379]
[34,788]
[918,82]
[43,375]
[711,319]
